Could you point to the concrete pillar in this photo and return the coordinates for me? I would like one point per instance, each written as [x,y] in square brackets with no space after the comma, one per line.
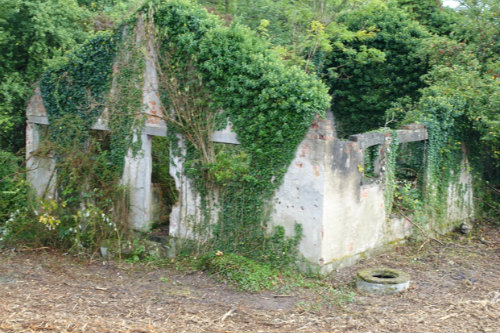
[188,219]
[40,171]
[137,178]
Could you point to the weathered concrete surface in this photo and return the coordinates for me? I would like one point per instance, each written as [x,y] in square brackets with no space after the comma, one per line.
[341,218]
[150,90]
[300,198]
[225,135]
[460,201]
[355,220]
[321,190]
[137,178]
[35,106]
[138,166]
[41,172]
[188,219]
[409,133]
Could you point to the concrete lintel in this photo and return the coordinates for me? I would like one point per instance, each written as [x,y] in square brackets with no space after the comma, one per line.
[41,120]
[225,136]
[156,130]
[366,140]
[44,120]
[412,135]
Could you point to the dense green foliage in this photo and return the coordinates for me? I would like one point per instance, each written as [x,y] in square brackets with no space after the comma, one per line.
[244,273]
[364,89]
[90,205]
[431,14]
[270,105]
[31,33]
[13,189]
[76,89]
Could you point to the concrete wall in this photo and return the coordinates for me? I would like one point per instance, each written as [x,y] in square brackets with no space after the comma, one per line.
[187,215]
[322,191]
[300,198]
[460,200]
[343,218]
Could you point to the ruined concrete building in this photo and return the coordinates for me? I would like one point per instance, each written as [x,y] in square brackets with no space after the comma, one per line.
[343,214]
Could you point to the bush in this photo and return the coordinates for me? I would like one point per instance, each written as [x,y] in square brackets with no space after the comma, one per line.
[13,188]
[16,213]
[363,89]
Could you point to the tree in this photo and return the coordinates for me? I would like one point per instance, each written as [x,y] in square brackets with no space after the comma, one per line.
[363,83]
[31,33]
[431,14]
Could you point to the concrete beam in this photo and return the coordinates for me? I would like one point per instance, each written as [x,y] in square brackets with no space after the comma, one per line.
[412,135]
[409,133]
[40,120]
[366,140]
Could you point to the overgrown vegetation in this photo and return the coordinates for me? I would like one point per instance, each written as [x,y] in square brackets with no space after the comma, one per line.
[245,273]
[386,63]
[205,67]
[270,105]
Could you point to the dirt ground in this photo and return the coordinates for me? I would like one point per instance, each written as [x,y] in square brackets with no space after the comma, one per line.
[455,287]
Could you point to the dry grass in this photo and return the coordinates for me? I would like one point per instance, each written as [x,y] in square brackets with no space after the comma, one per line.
[455,288]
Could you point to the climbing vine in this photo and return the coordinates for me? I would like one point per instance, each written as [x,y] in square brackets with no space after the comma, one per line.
[444,154]
[102,80]
[209,73]
[391,152]
[77,88]
[427,199]
[270,105]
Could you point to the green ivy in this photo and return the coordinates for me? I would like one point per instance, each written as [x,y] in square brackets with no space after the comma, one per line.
[78,87]
[76,91]
[364,88]
[391,153]
[270,104]
[224,73]
[244,273]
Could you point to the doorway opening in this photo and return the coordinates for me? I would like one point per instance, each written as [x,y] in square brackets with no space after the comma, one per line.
[164,193]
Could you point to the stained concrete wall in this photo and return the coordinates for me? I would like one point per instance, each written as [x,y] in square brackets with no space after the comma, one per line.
[460,200]
[41,171]
[300,198]
[342,218]
[322,191]
[186,214]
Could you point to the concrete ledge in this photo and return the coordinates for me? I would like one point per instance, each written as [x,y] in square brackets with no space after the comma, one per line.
[410,133]
[366,140]
[156,130]
[42,120]
[225,136]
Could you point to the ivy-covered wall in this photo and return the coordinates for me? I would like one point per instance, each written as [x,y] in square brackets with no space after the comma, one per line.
[206,73]
[269,104]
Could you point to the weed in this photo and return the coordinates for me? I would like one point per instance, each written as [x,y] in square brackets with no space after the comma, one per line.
[244,273]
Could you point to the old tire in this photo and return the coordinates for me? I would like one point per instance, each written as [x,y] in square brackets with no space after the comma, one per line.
[382,281]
